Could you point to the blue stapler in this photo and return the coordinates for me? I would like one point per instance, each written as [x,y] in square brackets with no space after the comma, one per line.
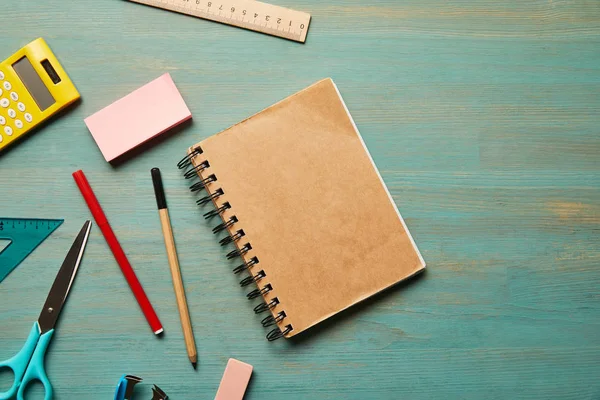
[125,389]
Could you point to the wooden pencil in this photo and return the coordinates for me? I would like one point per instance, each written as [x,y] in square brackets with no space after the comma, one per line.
[167,231]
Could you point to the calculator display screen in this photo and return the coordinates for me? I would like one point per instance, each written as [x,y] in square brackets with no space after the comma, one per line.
[33,83]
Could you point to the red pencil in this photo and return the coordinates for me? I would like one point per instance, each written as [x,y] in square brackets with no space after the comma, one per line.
[115,247]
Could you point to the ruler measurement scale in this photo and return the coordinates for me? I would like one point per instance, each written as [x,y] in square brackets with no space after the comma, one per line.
[24,234]
[249,14]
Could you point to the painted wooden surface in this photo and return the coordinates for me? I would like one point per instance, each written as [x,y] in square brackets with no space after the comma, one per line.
[484,119]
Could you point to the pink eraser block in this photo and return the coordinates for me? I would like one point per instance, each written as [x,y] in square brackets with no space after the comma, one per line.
[235,380]
[138,117]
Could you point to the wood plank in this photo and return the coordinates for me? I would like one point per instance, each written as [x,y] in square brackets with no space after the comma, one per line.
[483,117]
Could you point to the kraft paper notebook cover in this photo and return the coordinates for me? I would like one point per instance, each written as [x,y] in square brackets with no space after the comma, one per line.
[306,208]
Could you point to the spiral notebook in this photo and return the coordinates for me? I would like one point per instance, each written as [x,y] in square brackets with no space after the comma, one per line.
[303,205]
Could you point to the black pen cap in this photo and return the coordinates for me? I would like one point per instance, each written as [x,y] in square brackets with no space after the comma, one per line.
[159,191]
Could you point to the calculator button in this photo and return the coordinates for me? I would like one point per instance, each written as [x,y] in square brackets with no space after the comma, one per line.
[1,75]
[21,106]
[7,85]
[2,120]
[12,113]
[8,130]
[0,91]
[0,138]
[28,117]
[18,123]
[14,96]
[4,102]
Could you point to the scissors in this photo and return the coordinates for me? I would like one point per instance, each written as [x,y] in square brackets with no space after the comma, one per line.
[28,364]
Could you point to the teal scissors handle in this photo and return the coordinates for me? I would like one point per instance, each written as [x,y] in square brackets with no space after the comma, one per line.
[28,365]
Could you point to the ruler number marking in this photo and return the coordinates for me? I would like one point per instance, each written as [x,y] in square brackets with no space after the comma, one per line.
[273,23]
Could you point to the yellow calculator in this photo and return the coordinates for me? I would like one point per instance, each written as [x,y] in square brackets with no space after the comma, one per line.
[33,87]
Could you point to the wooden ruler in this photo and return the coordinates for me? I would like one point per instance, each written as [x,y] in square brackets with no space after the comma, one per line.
[249,14]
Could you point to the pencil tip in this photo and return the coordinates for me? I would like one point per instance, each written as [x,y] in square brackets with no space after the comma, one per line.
[194,364]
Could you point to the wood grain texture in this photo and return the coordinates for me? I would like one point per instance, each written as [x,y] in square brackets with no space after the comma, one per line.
[484,120]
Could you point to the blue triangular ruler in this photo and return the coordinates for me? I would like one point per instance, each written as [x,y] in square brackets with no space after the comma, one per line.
[25,234]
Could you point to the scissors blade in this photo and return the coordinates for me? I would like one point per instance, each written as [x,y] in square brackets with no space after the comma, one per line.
[63,281]
[158,394]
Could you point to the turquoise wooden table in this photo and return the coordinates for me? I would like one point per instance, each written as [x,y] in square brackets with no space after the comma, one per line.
[484,119]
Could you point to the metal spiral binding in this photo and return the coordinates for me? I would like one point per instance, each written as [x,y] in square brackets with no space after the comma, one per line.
[239,252]
[230,239]
[245,266]
[271,320]
[207,199]
[252,279]
[187,160]
[226,226]
[262,307]
[217,211]
[259,292]
[193,172]
[278,333]
[198,186]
